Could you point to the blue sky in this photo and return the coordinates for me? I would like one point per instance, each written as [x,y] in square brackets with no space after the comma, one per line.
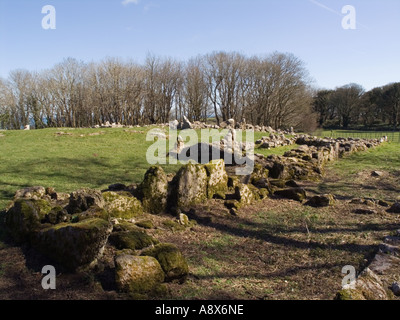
[91,30]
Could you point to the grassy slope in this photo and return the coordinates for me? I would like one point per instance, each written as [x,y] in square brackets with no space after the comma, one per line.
[70,162]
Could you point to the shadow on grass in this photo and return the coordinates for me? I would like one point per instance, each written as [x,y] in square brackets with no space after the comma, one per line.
[259,232]
[66,175]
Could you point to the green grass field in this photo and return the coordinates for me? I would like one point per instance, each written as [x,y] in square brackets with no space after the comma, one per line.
[80,159]
[393,136]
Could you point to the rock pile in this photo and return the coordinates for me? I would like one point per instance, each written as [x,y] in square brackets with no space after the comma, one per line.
[275,141]
[73,230]
[377,281]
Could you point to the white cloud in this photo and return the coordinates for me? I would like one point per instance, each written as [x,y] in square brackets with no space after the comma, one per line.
[126,2]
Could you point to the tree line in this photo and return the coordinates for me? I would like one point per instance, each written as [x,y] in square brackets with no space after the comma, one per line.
[272,90]
[350,106]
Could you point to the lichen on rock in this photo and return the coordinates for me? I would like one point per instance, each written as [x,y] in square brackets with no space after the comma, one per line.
[153,190]
[122,205]
[171,260]
[73,245]
[137,274]
[217,182]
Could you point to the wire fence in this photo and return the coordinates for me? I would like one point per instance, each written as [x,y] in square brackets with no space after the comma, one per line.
[392,135]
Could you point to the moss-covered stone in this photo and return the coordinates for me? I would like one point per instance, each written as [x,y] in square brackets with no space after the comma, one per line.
[57,215]
[325,200]
[73,245]
[122,205]
[188,187]
[171,260]
[133,239]
[137,275]
[297,194]
[258,173]
[83,199]
[245,194]
[173,225]
[368,287]
[153,190]
[25,216]
[233,182]
[145,224]
[232,204]
[92,212]
[34,193]
[217,182]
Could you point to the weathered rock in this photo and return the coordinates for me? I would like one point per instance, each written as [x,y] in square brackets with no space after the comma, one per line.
[122,205]
[184,220]
[83,199]
[90,213]
[244,194]
[217,182]
[134,240]
[34,193]
[134,274]
[153,190]
[25,217]
[368,287]
[173,125]
[377,173]
[325,200]
[186,124]
[57,215]
[73,245]
[298,194]
[189,186]
[171,260]
[145,224]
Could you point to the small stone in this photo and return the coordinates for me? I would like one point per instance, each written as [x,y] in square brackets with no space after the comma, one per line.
[183,219]
[321,201]
[377,173]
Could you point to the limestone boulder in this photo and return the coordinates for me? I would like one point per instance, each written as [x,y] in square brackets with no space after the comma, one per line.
[25,217]
[135,239]
[73,245]
[189,186]
[83,199]
[153,190]
[368,287]
[217,182]
[137,274]
[245,194]
[34,193]
[171,260]
[324,200]
[297,194]
[122,205]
